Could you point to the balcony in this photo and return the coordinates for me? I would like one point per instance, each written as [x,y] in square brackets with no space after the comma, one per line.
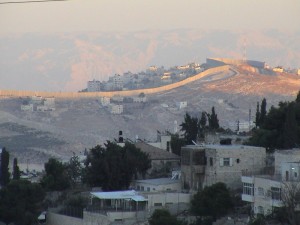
[247,198]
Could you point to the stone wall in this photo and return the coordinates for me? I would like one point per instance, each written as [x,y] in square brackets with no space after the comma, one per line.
[74,95]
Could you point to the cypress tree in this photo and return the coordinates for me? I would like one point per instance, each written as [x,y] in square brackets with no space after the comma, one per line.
[257,116]
[4,173]
[16,170]
[263,111]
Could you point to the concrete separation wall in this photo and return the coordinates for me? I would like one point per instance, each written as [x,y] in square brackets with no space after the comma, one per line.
[72,95]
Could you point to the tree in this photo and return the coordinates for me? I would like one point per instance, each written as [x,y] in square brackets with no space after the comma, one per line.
[213,121]
[20,202]
[290,128]
[176,144]
[291,201]
[74,169]
[280,128]
[16,170]
[263,111]
[257,116]
[214,201]
[190,128]
[113,167]
[163,217]
[202,124]
[4,170]
[56,177]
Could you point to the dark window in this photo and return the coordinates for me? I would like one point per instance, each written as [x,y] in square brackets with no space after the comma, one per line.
[185,157]
[211,162]
[237,160]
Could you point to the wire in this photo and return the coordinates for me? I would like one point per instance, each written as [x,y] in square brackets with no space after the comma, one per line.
[34,1]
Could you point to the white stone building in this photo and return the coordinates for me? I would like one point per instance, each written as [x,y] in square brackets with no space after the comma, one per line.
[265,192]
[93,86]
[116,109]
[105,101]
[208,164]
[28,107]
[181,105]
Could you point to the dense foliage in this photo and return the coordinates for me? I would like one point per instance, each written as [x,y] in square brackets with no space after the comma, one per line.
[194,127]
[112,167]
[20,202]
[213,201]
[163,217]
[279,128]
[56,177]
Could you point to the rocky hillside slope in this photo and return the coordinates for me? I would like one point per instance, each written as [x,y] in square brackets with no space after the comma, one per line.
[79,124]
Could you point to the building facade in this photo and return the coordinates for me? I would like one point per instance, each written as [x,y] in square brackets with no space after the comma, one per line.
[208,164]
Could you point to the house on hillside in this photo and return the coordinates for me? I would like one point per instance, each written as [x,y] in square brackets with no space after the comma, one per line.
[162,162]
[204,165]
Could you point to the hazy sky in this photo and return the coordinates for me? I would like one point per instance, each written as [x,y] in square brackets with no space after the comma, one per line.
[131,15]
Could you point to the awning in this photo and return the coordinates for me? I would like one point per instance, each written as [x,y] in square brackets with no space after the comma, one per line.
[119,195]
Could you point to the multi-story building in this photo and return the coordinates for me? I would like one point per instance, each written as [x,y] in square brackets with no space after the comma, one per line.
[117,82]
[208,164]
[93,86]
[265,192]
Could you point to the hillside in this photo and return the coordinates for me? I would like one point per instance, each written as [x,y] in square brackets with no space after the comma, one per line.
[83,123]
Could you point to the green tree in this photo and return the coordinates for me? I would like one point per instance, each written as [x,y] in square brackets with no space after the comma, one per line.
[113,167]
[16,170]
[213,121]
[257,116]
[56,177]
[163,217]
[176,144]
[214,201]
[74,169]
[263,111]
[4,170]
[190,128]
[280,128]
[290,128]
[20,202]
[202,124]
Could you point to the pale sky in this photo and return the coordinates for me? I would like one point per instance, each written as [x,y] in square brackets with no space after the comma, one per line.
[134,15]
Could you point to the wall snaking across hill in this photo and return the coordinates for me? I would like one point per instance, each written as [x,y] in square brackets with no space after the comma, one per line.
[74,95]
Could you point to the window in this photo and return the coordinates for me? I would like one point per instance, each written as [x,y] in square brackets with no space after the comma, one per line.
[142,188]
[138,187]
[157,204]
[225,161]
[260,191]
[148,189]
[211,162]
[295,174]
[237,160]
[248,189]
[276,193]
[260,210]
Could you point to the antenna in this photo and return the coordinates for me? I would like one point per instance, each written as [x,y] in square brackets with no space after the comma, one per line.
[244,51]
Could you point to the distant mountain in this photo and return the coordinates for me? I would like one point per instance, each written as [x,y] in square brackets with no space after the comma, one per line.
[65,62]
